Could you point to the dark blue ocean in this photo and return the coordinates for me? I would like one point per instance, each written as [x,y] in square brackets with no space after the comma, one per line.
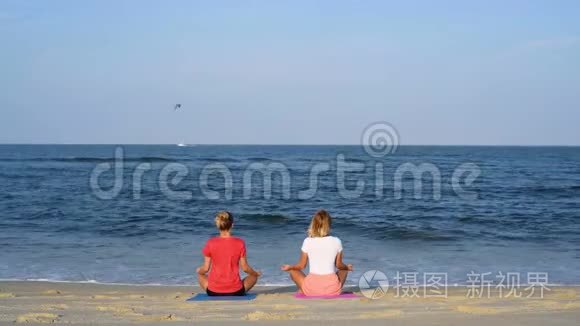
[520,214]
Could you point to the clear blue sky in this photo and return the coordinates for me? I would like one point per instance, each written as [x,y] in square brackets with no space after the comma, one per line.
[293,72]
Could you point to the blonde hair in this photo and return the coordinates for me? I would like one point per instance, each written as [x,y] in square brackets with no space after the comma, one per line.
[320,224]
[224,220]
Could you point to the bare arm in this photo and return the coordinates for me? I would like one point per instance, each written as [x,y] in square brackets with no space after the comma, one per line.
[247,268]
[204,268]
[340,265]
[299,266]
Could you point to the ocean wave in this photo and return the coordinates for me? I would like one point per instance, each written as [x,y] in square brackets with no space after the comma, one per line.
[404,233]
[266,284]
[265,218]
[478,220]
[377,231]
[21,176]
[217,159]
[257,158]
[140,159]
[90,159]
[50,280]
[392,231]
[547,189]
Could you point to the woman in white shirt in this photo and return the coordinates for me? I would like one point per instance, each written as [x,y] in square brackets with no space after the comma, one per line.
[324,255]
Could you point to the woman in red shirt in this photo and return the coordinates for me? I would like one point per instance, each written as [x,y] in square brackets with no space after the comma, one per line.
[223,257]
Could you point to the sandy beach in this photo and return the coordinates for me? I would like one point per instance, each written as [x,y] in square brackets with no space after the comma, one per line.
[81,304]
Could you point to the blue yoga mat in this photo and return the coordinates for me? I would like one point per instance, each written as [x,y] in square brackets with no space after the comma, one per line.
[205,297]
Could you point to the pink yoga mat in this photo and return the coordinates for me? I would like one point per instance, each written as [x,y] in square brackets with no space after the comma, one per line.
[341,296]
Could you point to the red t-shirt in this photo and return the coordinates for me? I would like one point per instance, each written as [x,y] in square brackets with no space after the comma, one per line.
[225,254]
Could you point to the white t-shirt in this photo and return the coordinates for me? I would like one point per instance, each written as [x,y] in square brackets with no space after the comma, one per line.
[322,253]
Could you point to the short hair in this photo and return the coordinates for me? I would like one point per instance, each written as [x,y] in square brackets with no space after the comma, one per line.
[320,224]
[224,220]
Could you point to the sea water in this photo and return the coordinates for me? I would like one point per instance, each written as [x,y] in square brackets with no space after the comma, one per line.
[519,212]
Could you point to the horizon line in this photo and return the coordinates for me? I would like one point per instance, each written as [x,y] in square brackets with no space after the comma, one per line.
[261,144]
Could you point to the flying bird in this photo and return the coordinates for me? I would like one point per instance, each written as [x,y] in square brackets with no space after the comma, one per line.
[177,106]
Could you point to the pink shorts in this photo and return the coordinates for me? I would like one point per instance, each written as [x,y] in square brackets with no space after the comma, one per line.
[317,285]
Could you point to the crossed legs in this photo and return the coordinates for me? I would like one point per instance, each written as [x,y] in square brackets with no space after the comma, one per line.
[249,281]
[298,277]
